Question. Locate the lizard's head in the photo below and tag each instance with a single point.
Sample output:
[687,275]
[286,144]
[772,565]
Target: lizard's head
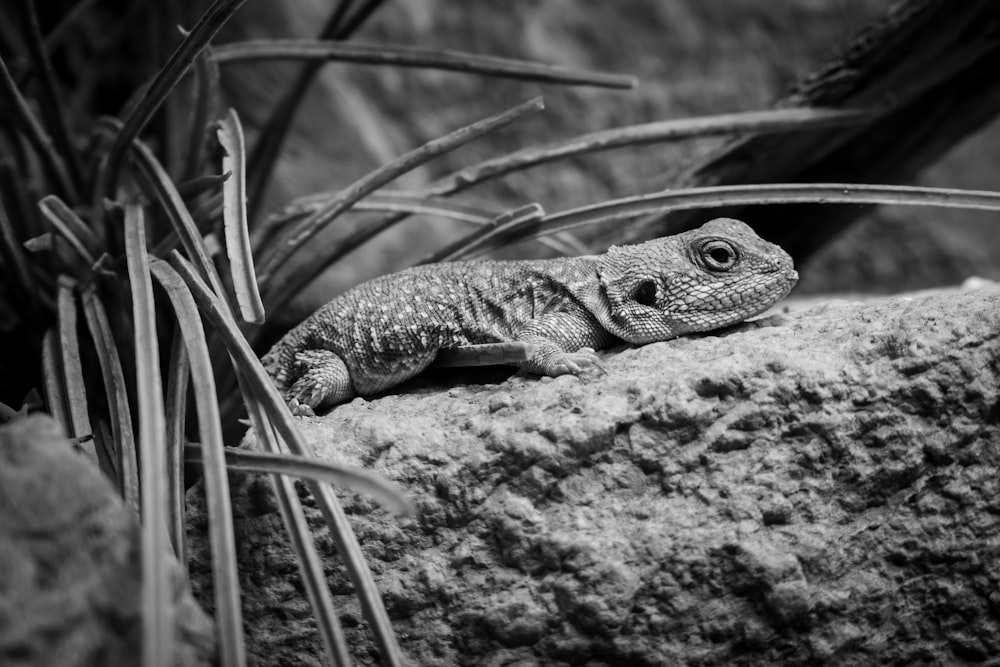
[714,276]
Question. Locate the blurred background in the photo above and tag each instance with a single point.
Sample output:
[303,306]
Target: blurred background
[692,58]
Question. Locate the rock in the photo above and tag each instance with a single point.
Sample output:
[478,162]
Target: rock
[69,561]
[820,491]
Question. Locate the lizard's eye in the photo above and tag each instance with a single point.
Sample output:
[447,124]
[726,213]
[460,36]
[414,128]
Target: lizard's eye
[645,293]
[718,255]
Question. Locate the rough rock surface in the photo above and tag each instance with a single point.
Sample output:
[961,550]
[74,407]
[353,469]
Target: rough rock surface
[69,561]
[819,491]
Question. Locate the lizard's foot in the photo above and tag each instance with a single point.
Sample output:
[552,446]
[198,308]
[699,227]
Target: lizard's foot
[323,380]
[299,410]
[583,361]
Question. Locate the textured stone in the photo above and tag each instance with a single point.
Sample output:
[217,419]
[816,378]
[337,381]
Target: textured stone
[69,562]
[821,490]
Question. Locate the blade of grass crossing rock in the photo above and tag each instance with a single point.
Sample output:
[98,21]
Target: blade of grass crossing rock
[260,386]
[310,564]
[355,479]
[158,639]
[220,514]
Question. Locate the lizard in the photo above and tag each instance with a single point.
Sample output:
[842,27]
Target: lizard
[389,329]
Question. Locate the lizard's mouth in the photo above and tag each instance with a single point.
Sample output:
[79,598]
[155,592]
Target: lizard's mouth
[754,301]
[778,287]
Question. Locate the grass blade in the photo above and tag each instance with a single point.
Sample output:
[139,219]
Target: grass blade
[407,203]
[514,219]
[355,479]
[385,200]
[176,66]
[124,456]
[200,185]
[52,103]
[42,243]
[13,261]
[760,122]
[157,600]
[22,207]
[721,196]
[378,178]
[70,18]
[81,238]
[310,565]
[72,369]
[160,187]
[55,391]
[220,513]
[206,96]
[779,193]
[258,385]
[178,379]
[234,215]
[35,133]
[103,440]
[412,56]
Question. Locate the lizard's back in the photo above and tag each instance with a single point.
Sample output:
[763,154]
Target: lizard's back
[384,328]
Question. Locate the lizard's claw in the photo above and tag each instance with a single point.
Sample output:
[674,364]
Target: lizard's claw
[299,409]
[581,362]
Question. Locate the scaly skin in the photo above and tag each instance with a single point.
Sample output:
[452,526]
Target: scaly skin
[387,330]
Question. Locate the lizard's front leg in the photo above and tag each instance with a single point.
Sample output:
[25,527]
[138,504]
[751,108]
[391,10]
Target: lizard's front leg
[564,342]
[323,380]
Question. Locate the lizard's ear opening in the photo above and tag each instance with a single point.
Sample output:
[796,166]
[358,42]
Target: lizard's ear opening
[645,293]
[631,309]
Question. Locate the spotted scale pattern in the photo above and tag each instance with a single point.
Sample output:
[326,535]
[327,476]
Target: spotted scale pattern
[387,330]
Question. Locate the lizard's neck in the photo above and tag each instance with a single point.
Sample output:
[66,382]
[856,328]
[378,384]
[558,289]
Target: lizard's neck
[583,280]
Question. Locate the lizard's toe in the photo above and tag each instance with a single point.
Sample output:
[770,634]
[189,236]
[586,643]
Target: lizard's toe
[299,409]
[582,362]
